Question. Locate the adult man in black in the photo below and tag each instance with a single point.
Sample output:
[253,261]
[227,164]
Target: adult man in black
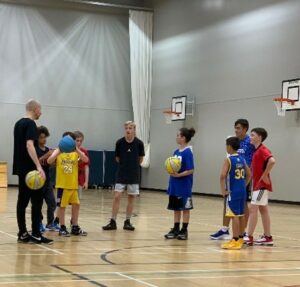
[25,160]
[129,154]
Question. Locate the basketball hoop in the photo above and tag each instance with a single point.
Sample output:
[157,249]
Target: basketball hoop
[283,104]
[169,116]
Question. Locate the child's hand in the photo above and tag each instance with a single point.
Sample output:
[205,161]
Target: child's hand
[175,174]
[85,185]
[224,193]
[265,179]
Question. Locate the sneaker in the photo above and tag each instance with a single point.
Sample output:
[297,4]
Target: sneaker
[232,245]
[76,230]
[64,232]
[219,235]
[53,227]
[246,237]
[264,240]
[128,225]
[24,238]
[172,234]
[182,235]
[41,239]
[42,228]
[112,225]
[250,241]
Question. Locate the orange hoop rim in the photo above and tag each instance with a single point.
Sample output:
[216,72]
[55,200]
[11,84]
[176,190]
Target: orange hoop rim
[169,112]
[282,100]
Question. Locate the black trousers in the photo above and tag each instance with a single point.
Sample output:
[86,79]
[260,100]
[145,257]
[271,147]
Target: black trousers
[36,198]
[49,197]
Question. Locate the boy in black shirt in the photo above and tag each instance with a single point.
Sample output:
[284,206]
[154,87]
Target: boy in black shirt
[43,152]
[129,154]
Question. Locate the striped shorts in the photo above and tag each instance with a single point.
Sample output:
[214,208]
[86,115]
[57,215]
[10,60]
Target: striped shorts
[260,197]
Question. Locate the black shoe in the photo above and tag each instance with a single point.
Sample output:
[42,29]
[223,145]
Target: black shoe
[112,225]
[41,239]
[182,235]
[128,225]
[63,231]
[172,234]
[76,230]
[23,238]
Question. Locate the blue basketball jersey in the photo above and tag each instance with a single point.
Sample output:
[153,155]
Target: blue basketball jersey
[236,177]
[182,186]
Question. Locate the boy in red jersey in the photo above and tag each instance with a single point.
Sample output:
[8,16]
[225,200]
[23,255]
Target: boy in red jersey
[262,163]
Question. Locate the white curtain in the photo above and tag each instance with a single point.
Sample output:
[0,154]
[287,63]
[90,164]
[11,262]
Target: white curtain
[140,35]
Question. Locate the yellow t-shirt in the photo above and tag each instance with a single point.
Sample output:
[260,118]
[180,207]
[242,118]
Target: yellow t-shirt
[67,170]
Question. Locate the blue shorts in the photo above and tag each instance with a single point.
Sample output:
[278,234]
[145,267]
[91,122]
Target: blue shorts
[235,207]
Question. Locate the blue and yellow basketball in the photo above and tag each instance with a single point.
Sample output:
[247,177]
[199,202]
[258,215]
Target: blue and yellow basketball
[172,164]
[34,180]
[67,144]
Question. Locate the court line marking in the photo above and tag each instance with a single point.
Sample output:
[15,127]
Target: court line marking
[136,280]
[38,245]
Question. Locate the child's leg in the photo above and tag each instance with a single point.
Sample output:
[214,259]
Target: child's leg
[129,208]
[62,211]
[185,219]
[265,217]
[51,203]
[226,219]
[75,213]
[242,226]
[116,205]
[246,217]
[252,219]
[235,227]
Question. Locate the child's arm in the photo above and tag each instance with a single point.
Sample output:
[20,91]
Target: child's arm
[87,173]
[53,156]
[82,156]
[43,159]
[264,177]
[184,173]
[223,175]
[248,174]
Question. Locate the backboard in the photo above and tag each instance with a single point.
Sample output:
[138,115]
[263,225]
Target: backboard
[291,91]
[179,107]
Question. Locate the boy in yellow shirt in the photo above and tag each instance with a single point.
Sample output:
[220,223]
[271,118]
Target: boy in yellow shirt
[67,186]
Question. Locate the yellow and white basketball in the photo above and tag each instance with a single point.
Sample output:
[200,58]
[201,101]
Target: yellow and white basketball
[172,164]
[34,180]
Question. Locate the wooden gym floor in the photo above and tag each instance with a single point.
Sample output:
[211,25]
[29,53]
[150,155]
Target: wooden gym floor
[143,258]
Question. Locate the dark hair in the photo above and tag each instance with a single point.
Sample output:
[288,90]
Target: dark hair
[79,134]
[261,132]
[243,122]
[234,142]
[71,134]
[43,130]
[187,133]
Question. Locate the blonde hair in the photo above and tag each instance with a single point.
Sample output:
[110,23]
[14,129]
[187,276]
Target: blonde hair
[129,123]
[31,105]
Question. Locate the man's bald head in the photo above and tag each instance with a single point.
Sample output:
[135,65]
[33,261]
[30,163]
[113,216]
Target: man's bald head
[34,108]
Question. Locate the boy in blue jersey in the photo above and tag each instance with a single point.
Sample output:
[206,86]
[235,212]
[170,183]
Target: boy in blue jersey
[246,150]
[180,186]
[234,177]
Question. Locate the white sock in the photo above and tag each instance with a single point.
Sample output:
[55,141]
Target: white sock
[225,228]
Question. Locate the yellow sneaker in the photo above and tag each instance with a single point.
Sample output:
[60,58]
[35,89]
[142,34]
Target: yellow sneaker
[229,244]
[240,243]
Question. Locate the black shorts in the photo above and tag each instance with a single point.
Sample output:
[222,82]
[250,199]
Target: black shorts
[248,192]
[180,203]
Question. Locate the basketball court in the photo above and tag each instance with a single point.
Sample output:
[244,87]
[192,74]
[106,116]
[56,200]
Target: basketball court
[159,67]
[144,257]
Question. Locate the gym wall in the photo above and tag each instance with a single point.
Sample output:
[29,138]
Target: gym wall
[231,56]
[76,63]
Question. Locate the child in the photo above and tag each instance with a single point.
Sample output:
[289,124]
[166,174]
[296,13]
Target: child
[43,153]
[262,163]
[83,167]
[67,186]
[233,188]
[129,156]
[180,186]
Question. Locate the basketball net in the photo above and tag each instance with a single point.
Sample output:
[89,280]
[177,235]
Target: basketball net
[169,116]
[279,105]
